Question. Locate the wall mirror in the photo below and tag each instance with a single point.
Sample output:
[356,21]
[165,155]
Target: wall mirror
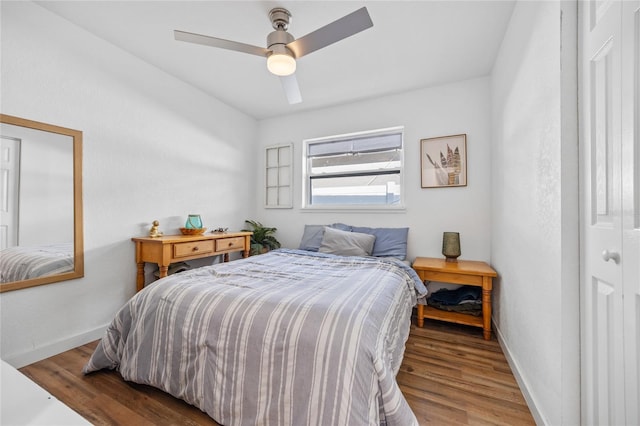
[41,229]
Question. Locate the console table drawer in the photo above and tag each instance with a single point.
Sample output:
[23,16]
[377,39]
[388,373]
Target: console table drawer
[192,248]
[229,244]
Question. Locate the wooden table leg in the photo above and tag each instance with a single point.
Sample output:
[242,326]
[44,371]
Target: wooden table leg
[486,307]
[140,276]
[247,246]
[420,315]
[163,270]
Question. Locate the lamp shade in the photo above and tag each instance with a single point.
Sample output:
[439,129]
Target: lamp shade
[451,246]
[281,64]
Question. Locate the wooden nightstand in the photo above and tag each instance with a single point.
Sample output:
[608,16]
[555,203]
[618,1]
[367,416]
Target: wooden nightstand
[466,272]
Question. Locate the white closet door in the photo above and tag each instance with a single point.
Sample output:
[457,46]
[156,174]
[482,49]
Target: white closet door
[9,191]
[610,215]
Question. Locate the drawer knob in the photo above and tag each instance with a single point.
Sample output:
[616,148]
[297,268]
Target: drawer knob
[195,249]
[230,243]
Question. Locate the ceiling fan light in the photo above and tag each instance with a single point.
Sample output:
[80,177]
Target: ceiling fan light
[281,64]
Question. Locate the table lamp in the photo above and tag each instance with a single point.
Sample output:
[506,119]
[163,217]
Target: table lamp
[451,246]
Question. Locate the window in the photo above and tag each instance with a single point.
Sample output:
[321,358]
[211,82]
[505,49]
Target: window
[355,170]
[278,176]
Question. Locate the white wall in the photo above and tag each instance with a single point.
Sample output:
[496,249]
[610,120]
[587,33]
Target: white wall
[534,206]
[154,148]
[462,107]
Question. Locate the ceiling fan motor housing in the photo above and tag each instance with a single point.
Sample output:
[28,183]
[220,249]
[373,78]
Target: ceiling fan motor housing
[277,40]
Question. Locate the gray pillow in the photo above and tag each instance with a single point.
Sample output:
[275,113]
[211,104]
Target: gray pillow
[344,243]
[312,235]
[390,242]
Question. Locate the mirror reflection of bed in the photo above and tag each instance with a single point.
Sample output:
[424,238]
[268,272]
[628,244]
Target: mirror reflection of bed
[41,217]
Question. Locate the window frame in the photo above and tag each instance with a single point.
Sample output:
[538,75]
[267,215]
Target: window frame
[307,175]
[280,185]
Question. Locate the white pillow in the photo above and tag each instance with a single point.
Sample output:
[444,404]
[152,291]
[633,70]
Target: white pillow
[345,243]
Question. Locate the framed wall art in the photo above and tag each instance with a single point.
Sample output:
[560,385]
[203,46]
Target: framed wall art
[443,161]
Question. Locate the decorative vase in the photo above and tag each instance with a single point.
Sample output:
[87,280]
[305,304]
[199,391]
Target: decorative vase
[193,222]
[451,246]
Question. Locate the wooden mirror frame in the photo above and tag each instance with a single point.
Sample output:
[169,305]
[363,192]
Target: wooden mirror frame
[78,237]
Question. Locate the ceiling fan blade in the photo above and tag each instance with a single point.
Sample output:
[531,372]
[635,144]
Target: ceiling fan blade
[219,42]
[291,89]
[344,27]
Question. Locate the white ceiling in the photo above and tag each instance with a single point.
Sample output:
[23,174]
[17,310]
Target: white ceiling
[412,44]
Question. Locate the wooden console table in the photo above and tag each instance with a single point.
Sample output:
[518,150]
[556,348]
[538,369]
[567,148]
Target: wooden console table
[466,272]
[170,249]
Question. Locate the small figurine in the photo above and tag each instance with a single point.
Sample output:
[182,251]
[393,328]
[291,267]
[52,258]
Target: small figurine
[154,232]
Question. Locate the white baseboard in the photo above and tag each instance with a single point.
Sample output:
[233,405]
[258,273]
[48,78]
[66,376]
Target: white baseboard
[29,357]
[522,383]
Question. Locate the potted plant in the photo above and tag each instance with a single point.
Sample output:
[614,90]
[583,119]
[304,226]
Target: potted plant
[262,239]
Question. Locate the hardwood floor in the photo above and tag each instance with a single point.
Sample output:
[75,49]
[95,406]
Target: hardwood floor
[449,375]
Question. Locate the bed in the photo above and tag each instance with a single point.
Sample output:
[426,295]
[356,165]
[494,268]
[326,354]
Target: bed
[23,263]
[291,337]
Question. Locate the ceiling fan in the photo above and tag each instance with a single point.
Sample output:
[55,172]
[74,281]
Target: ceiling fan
[283,49]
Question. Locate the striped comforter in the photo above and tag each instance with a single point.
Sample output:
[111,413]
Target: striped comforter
[285,338]
[23,263]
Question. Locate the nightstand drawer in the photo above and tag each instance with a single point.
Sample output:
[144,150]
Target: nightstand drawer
[229,244]
[192,248]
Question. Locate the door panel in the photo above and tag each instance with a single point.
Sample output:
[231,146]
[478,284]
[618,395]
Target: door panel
[603,355]
[603,381]
[602,128]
